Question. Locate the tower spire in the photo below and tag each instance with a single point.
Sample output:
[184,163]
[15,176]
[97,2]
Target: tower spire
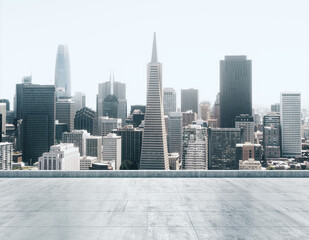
[154,57]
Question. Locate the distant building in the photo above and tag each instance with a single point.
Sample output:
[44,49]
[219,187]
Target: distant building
[216,110]
[174,160]
[79,100]
[94,147]
[86,162]
[249,164]
[60,129]
[169,100]
[246,151]
[290,121]
[222,148]
[131,146]
[6,155]
[212,123]
[271,136]
[189,100]
[106,125]
[78,137]
[246,122]
[195,149]
[86,119]
[275,107]
[139,107]
[61,157]
[188,117]
[235,89]
[112,149]
[174,136]
[205,111]
[138,116]
[3,119]
[7,102]
[65,112]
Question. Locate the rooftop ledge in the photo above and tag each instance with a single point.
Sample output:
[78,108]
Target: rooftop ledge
[157,174]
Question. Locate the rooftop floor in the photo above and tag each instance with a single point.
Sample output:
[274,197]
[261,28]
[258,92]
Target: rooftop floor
[154,208]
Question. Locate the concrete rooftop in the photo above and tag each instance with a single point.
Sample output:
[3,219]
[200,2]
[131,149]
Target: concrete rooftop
[154,208]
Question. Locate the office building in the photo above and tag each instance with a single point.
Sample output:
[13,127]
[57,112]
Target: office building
[7,102]
[205,111]
[3,113]
[290,121]
[216,110]
[169,100]
[78,138]
[63,72]
[189,100]
[137,117]
[246,151]
[106,125]
[94,147]
[188,118]
[174,136]
[271,136]
[222,148]
[37,109]
[86,119]
[174,160]
[79,100]
[6,155]
[131,146]
[246,122]
[194,151]
[112,149]
[154,147]
[60,129]
[275,107]
[65,112]
[235,89]
[63,157]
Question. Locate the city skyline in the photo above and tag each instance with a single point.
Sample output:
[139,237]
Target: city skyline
[274,69]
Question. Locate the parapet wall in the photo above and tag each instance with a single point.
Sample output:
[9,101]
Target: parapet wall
[156,174]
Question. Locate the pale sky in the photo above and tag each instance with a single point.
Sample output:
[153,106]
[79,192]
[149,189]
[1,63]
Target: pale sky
[192,36]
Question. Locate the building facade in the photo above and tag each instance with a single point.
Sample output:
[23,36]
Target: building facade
[6,155]
[112,149]
[65,112]
[78,138]
[246,122]
[174,136]
[271,136]
[169,100]
[94,147]
[86,119]
[106,125]
[189,100]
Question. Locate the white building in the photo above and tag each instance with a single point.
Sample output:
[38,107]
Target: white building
[63,156]
[169,100]
[78,137]
[6,155]
[106,125]
[94,147]
[79,100]
[86,162]
[290,121]
[249,164]
[112,149]
[3,113]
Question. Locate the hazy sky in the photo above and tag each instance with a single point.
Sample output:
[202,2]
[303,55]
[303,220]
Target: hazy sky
[192,36]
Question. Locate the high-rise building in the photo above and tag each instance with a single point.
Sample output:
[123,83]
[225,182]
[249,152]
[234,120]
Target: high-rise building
[205,111]
[63,72]
[246,151]
[188,117]
[112,149]
[78,138]
[216,110]
[94,147]
[154,148]
[65,112]
[174,136]
[235,89]
[246,122]
[189,100]
[7,102]
[222,148]
[3,113]
[271,136]
[106,125]
[6,155]
[131,146]
[290,121]
[79,100]
[110,106]
[63,156]
[37,109]
[169,100]
[194,151]
[60,129]
[86,119]
[275,107]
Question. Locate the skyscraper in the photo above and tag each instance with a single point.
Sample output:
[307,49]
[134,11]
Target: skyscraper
[65,112]
[78,137]
[106,125]
[174,137]
[79,100]
[169,100]
[290,119]
[246,122]
[189,100]
[94,147]
[271,136]
[63,72]
[3,113]
[235,89]
[205,111]
[86,119]
[154,147]
[36,107]
[112,149]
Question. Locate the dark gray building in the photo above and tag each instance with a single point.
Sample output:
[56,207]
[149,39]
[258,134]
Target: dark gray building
[7,102]
[86,119]
[222,148]
[131,146]
[65,112]
[174,136]
[36,107]
[110,106]
[189,100]
[271,136]
[140,107]
[235,89]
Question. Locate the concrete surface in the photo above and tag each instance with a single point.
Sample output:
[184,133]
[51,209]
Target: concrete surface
[157,174]
[154,208]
